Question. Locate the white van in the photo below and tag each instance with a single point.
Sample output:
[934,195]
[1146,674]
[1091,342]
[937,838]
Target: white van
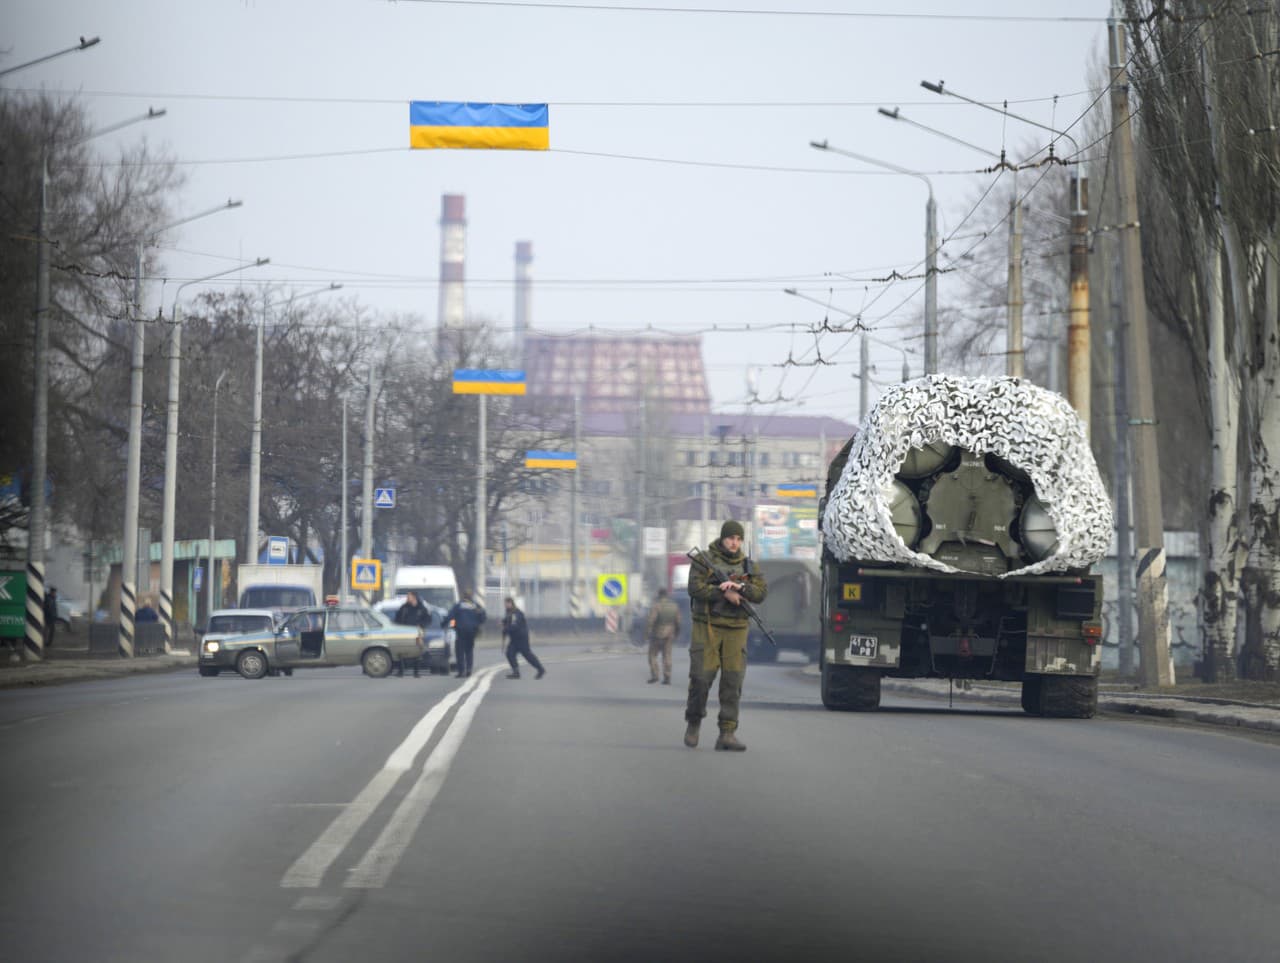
[434,584]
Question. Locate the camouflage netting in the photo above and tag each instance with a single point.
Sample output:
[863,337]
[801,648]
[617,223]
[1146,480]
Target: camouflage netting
[1032,428]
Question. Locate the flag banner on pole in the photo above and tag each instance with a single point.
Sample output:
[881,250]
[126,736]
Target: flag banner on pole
[492,126]
[550,459]
[797,491]
[488,381]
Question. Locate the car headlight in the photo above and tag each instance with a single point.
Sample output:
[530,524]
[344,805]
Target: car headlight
[211,646]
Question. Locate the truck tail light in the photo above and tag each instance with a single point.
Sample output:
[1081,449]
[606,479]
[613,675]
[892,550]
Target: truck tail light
[839,622]
[1092,633]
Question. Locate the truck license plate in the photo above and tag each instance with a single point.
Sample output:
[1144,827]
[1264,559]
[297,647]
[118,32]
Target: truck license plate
[863,646]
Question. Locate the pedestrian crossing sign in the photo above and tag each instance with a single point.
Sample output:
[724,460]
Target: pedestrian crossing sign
[366,574]
[384,498]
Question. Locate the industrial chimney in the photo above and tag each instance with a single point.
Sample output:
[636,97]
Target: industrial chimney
[524,294]
[453,258]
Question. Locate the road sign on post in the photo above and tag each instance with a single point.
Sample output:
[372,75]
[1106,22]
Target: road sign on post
[277,550]
[366,574]
[611,589]
[13,604]
[384,498]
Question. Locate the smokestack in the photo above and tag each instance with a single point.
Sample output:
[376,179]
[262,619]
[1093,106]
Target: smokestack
[453,258]
[524,293]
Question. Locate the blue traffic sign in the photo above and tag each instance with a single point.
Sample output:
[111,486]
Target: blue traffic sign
[384,498]
[611,589]
[277,550]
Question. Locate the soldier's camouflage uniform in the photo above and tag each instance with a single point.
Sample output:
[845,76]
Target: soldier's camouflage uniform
[719,641]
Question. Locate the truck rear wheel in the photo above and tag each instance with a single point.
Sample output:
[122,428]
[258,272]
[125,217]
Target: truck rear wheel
[850,688]
[1069,696]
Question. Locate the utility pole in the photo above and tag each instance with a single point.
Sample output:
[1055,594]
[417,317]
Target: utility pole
[1016,354]
[366,512]
[344,563]
[864,374]
[1153,592]
[640,486]
[1079,383]
[575,597]
[481,498]
[33,648]
[1124,556]
[213,496]
[704,487]
[931,285]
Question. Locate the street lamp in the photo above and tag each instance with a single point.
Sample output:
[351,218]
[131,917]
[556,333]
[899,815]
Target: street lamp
[1014,353]
[213,493]
[82,45]
[38,522]
[171,440]
[255,447]
[930,252]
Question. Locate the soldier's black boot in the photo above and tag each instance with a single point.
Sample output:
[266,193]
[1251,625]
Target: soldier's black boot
[728,742]
[691,735]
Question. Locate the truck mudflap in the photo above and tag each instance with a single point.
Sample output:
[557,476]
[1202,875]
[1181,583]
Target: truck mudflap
[1047,655]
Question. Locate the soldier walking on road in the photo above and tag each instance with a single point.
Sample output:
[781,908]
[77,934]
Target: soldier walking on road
[515,629]
[719,640]
[466,617]
[661,629]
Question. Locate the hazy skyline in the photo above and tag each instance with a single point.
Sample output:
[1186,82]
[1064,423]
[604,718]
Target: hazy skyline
[680,191]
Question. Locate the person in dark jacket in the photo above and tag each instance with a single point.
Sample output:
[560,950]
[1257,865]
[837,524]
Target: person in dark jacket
[466,617]
[515,629]
[412,612]
[50,616]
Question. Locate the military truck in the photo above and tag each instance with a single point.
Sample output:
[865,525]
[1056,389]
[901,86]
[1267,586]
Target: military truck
[790,609]
[959,525]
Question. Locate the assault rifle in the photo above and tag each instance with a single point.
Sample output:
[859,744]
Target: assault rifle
[700,559]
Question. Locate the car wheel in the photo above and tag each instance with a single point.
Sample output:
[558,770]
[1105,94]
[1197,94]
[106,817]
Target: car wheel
[288,672]
[208,671]
[377,663]
[252,664]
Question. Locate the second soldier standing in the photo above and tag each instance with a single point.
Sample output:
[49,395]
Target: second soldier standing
[661,628]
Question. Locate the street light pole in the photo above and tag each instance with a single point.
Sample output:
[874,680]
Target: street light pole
[255,446]
[171,442]
[37,524]
[213,495]
[930,251]
[40,429]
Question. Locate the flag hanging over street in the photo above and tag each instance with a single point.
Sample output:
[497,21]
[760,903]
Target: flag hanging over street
[488,381]
[495,126]
[550,459]
[797,491]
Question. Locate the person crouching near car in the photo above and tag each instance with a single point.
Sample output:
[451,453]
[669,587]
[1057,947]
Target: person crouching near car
[412,612]
[466,617]
[515,629]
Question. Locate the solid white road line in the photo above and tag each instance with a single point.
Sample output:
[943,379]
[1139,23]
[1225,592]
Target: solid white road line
[373,871]
[309,868]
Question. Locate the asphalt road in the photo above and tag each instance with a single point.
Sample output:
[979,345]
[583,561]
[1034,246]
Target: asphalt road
[331,817]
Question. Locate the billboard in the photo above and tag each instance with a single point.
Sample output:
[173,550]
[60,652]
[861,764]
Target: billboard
[786,531]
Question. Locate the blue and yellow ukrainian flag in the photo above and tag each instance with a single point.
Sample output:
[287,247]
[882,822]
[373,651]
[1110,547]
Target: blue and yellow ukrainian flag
[501,126]
[550,459]
[488,381]
[797,491]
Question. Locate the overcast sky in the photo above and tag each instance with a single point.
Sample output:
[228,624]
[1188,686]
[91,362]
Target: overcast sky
[680,191]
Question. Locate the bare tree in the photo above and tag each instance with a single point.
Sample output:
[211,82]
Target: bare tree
[1207,83]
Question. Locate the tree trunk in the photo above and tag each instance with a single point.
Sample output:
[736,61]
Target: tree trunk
[1260,655]
[1219,592]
